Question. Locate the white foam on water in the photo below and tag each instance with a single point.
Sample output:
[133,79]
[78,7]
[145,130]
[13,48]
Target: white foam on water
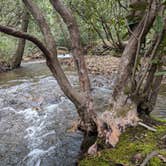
[34,157]
[9,109]
[62,56]
[40,124]
[19,80]
[49,133]
[44,124]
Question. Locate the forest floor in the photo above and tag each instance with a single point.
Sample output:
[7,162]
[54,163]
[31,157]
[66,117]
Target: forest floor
[136,146]
[98,65]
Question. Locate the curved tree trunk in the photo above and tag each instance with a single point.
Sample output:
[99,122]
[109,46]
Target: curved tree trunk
[17,58]
[82,101]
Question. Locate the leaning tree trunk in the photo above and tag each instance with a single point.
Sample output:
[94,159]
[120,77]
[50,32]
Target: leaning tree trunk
[17,58]
[82,100]
[123,111]
[126,83]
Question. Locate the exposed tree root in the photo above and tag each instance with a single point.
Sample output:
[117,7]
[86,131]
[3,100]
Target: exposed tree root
[110,126]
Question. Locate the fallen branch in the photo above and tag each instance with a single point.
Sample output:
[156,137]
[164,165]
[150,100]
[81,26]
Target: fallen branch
[146,126]
[162,158]
[164,137]
[149,156]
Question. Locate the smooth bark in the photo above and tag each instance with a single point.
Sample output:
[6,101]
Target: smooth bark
[82,101]
[129,54]
[77,50]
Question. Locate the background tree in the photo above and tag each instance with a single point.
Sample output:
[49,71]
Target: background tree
[106,19]
[17,58]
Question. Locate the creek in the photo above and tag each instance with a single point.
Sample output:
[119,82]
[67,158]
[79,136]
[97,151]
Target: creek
[36,118]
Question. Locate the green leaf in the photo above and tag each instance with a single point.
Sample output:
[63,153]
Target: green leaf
[139,5]
[155,61]
[163,2]
[159,24]
[160,73]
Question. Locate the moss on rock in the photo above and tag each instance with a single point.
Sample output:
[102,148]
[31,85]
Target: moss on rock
[134,141]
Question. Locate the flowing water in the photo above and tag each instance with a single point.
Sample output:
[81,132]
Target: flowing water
[36,118]
[160,108]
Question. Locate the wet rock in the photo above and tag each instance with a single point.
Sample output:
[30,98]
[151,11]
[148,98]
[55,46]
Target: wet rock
[12,102]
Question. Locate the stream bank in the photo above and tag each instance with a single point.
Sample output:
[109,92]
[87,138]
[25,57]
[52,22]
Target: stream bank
[136,143]
[36,117]
[134,146]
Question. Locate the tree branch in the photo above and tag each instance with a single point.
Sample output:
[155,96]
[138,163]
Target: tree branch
[146,126]
[149,156]
[42,23]
[77,49]
[23,35]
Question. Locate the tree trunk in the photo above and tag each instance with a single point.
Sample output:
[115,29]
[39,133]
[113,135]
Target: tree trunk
[82,101]
[129,54]
[77,49]
[123,111]
[16,60]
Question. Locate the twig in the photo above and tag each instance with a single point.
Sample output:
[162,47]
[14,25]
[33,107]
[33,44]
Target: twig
[121,5]
[146,126]
[161,157]
[129,29]
[149,156]
[164,137]
[139,44]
